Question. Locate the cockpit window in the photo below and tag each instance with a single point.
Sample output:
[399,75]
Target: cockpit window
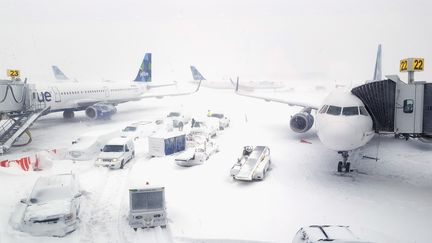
[350,111]
[323,109]
[334,110]
[363,111]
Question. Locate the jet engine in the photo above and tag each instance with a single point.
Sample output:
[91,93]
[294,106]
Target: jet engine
[301,122]
[100,111]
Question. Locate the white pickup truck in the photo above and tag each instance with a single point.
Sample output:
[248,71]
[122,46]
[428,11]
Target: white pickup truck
[253,165]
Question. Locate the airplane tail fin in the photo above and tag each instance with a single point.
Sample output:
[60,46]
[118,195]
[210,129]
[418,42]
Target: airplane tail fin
[378,70]
[144,72]
[58,74]
[196,74]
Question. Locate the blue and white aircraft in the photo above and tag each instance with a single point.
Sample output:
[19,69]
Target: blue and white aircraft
[98,99]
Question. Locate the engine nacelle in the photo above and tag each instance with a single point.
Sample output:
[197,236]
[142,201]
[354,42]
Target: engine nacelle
[100,111]
[301,122]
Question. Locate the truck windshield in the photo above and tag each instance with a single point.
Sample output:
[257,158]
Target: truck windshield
[173,114]
[113,148]
[129,129]
[147,200]
[198,124]
[220,116]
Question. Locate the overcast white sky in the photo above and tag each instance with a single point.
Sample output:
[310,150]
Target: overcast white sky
[257,40]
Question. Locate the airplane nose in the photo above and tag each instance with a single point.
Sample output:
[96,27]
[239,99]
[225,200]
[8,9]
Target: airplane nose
[340,136]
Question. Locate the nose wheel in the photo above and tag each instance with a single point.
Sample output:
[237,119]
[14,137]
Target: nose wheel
[344,165]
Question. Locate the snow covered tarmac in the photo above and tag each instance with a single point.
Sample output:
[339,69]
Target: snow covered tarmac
[385,201]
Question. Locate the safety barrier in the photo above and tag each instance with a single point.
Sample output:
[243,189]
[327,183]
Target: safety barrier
[29,162]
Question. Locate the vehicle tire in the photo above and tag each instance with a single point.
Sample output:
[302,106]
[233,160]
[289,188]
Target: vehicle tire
[135,229]
[347,167]
[122,164]
[339,168]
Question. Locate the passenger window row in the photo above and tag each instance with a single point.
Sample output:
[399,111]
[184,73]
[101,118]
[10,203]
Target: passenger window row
[82,92]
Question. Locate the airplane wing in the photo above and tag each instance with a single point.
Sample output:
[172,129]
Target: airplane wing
[160,84]
[161,95]
[88,102]
[85,102]
[279,100]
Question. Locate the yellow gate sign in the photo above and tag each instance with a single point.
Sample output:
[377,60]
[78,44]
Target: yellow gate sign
[403,67]
[411,65]
[13,73]
[418,64]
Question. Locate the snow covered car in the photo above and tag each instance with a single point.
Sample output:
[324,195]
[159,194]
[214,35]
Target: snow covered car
[253,165]
[116,153]
[195,140]
[197,155]
[139,129]
[224,121]
[52,207]
[179,118]
[204,127]
[325,233]
[87,146]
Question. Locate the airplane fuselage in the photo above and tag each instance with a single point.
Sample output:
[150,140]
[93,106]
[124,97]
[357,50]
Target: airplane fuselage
[78,96]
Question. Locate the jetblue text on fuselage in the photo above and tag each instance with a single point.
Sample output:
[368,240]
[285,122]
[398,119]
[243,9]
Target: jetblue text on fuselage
[44,96]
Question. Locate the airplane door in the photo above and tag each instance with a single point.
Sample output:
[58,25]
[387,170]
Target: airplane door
[107,92]
[56,92]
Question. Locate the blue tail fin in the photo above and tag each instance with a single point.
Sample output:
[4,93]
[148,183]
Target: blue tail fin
[144,72]
[196,74]
[378,71]
[58,74]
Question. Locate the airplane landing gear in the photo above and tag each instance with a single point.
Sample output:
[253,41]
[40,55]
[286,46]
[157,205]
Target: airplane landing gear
[344,165]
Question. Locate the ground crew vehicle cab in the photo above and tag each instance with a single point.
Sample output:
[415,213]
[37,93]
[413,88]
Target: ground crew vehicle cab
[116,153]
[147,207]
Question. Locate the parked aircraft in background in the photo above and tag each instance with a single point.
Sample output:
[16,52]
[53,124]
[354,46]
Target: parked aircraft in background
[197,76]
[59,75]
[99,99]
[342,122]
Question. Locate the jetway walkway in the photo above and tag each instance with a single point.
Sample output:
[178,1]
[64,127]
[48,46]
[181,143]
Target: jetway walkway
[19,109]
[397,107]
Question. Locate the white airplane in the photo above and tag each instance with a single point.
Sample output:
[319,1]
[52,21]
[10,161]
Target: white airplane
[342,122]
[197,77]
[98,99]
[59,75]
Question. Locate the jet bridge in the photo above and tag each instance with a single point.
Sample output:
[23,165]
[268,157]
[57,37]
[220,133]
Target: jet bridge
[19,109]
[397,107]
[379,99]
